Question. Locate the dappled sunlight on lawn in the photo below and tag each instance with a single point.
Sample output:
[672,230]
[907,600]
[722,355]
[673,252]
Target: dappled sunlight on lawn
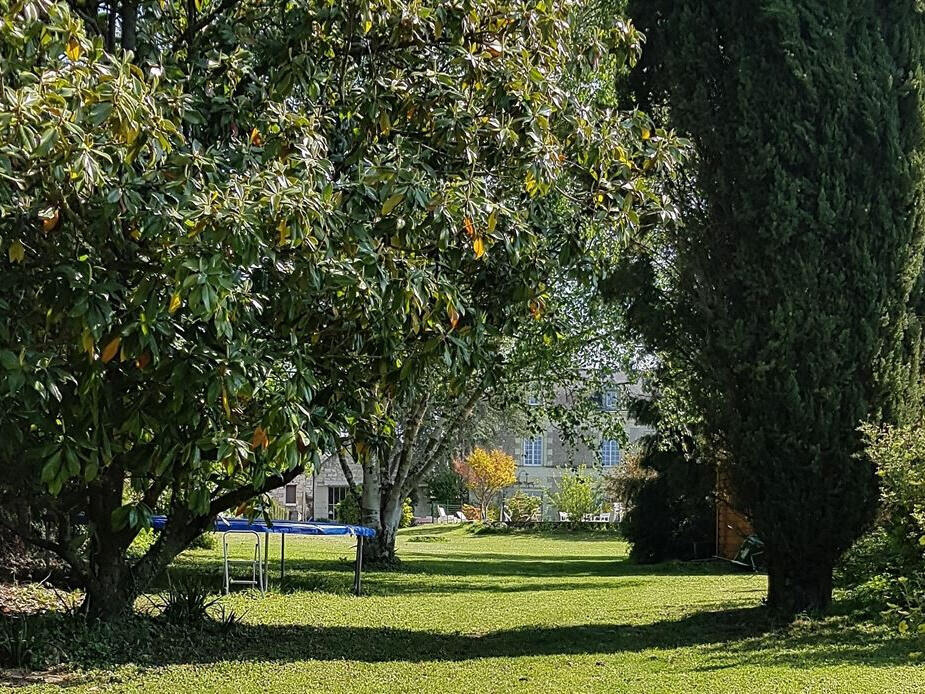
[503,612]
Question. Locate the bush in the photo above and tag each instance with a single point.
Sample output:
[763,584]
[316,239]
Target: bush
[670,512]
[885,567]
[523,507]
[205,541]
[899,454]
[407,514]
[186,601]
[19,641]
[348,511]
[471,512]
[578,494]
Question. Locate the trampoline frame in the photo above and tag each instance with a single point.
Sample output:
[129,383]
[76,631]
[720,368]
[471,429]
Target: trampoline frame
[283,528]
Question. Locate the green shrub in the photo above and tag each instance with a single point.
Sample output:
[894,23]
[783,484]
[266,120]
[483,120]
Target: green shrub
[186,601]
[19,641]
[407,514]
[885,567]
[578,493]
[670,513]
[899,454]
[205,541]
[523,507]
[348,511]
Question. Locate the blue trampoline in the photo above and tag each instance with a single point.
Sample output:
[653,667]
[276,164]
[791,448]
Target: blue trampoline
[260,568]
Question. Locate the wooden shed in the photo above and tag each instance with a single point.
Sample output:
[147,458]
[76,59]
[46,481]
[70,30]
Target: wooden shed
[732,525]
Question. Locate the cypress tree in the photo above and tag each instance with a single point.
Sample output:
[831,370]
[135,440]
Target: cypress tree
[797,255]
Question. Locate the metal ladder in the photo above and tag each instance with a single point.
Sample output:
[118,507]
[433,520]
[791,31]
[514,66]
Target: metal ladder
[256,564]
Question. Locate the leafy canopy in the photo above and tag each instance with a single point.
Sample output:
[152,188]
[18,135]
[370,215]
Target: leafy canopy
[225,246]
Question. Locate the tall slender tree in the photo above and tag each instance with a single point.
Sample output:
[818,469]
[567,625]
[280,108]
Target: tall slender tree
[783,291]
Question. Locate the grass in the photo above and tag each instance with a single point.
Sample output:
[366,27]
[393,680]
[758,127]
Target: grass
[521,613]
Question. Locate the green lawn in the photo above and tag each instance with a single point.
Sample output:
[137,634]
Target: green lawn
[537,613]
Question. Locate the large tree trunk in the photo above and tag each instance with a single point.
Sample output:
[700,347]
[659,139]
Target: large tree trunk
[108,593]
[381,549]
[114,583]
[383,514]
[799,584]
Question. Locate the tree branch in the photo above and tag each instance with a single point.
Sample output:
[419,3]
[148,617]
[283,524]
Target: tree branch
[405,460]
[348,474]
[62,550]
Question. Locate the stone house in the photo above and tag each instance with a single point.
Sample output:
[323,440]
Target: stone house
[314,496]
[541,459]
[544,456]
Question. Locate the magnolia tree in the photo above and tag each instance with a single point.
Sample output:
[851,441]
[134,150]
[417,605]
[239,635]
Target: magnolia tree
[440,418]
[509,335]
[235,231]
[486,473]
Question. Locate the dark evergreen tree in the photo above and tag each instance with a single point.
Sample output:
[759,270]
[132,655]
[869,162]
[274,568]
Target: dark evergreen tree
[784,289]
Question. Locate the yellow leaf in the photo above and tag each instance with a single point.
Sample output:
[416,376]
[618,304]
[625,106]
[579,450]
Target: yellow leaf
[283,230]
[392,203]
[469,227]
[478,246]
[256,138]
[174,303]
[87,343]
[385,124]
[128,132]
[197,227]
[259,439]
[492,221]
[111,349]
[226,403]
[50,222]
[17,252]
[73,49]
[453,315]
[646,133]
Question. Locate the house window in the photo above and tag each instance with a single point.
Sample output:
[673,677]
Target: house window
[335,496]
[290,494]
[610,452]
[609,400]
[533,451]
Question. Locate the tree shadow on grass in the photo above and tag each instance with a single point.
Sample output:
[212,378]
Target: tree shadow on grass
[727,637]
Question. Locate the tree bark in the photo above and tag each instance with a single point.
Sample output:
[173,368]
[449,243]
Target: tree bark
[113,583]
[799,584]
[129,17]
[381,549]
